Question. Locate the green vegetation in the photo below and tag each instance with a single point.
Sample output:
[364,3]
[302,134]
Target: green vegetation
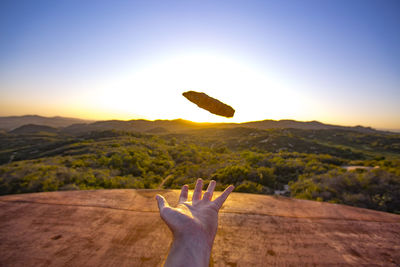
[376,189]
[255,161]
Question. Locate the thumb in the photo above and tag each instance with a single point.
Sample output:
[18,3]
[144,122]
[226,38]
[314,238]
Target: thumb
[162,202]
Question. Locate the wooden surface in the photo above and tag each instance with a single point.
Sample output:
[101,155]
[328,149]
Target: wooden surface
[123,228]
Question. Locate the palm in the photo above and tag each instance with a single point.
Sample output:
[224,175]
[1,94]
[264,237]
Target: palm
[198,217]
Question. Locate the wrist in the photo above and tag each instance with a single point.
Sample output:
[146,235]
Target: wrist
[191,250]
[194,241]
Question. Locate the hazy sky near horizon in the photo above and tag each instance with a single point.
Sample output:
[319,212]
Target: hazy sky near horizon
[336,61]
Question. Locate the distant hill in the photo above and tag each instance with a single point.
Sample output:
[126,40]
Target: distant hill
[183,125]
[305,125]
[33,129]
[78,126]
[12,122]
[138,126]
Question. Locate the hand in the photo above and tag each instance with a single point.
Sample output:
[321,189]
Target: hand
[193,224]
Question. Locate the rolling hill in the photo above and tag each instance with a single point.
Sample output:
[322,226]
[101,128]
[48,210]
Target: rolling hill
[180,125]
[74,126]
[143,154]
[11,122]
[33,129]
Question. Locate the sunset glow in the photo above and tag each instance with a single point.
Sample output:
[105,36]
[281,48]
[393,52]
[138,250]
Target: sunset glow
[268,61]
[155,92]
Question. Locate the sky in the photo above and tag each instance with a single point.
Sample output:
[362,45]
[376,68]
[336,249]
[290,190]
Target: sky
[335,61]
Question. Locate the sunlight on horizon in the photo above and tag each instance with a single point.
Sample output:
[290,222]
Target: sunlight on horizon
[155,91]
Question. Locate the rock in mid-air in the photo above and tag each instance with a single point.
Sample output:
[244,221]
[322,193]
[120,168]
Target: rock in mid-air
[208,103]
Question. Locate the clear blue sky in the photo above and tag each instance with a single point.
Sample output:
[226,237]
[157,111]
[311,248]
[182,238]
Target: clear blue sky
[333,61]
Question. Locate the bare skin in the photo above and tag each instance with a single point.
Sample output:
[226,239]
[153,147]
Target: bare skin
[193,224]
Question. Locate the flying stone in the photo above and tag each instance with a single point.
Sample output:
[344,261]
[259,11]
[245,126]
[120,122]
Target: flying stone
[210,104]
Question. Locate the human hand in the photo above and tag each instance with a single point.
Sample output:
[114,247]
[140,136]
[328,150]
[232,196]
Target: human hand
[193,224]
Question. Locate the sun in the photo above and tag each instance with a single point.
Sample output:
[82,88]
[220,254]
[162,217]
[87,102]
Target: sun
[155,91]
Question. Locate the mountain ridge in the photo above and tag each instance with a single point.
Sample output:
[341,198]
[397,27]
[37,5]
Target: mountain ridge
[74,125]
[9,123]
[33,128]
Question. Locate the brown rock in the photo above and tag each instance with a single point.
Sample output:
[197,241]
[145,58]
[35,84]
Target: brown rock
[123,228]
[208,103]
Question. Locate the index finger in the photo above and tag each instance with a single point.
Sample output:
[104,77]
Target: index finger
[219,201]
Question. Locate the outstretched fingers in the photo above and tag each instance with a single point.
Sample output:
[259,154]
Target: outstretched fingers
[197,190]
[219,201]
[184,194]
[210,190]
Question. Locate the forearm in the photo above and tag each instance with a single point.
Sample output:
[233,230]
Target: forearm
[189,251]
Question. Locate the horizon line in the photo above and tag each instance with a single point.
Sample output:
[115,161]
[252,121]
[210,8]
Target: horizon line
[198,122]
